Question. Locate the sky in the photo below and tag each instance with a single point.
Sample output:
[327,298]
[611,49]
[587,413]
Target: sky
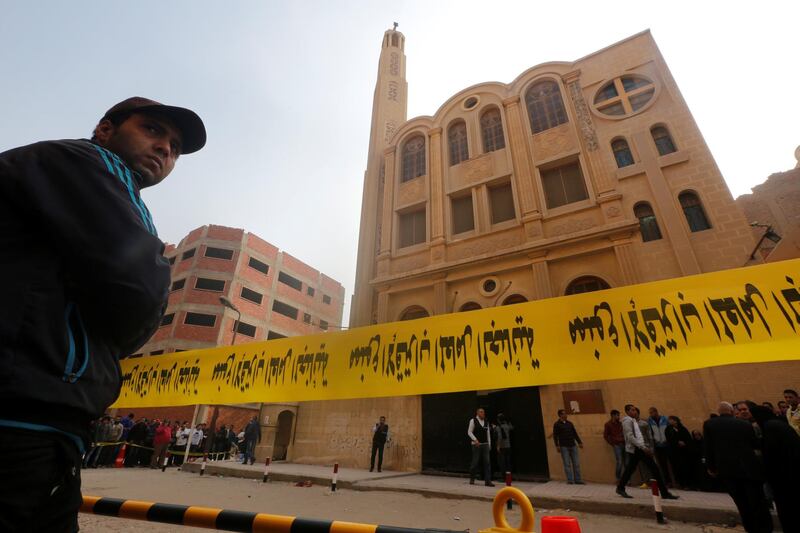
[285,90]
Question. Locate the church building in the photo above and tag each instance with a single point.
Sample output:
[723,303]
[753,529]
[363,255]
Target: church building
[576,176]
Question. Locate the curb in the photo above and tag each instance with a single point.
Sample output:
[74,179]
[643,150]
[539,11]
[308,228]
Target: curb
[633,510]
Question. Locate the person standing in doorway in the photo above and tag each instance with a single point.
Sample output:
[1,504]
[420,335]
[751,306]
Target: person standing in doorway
[252,436]
[567,443]
[502,435]
[380,434]
[481,438]
[612,433]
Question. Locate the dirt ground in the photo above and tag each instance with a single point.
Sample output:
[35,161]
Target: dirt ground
[385,508]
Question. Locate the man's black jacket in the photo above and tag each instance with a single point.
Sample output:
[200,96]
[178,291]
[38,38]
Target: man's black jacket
[730,449]
[84,281]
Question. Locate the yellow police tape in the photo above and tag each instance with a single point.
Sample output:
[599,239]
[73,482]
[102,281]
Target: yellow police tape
[172,451]
[745,315]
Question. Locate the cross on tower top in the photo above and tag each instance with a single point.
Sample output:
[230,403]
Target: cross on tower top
[395,26]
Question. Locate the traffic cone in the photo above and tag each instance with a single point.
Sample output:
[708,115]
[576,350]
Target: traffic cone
[560,524]
[120,460]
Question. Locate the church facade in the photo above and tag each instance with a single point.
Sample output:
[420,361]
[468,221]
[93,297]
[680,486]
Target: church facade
[574,177]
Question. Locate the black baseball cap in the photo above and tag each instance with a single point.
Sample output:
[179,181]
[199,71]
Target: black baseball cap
[193,132]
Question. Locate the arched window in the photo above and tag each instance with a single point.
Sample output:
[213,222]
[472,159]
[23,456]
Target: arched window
[693,211]
[492,130]
[469,306]
[663,140]
[414,312]
[413,158]
[545,106]
[515,299]
[457,141]
[622,153]
[586,284]
[648,225]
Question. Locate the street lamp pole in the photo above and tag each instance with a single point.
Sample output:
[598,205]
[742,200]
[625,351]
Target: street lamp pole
[227,303]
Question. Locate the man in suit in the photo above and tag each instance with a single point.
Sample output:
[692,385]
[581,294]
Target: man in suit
[380,434]
[730,446]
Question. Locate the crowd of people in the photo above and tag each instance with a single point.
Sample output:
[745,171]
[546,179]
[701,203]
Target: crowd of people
[748,450]
[150,442]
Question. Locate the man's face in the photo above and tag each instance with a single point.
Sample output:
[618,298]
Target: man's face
[791,399]
[782,406]
[150,145]
[481,413]
[383,420]
[615,417]
[743,411]
[634,413]
[653,412]
[562,415]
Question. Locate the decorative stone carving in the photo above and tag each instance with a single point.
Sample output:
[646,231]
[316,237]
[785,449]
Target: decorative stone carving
[390,128]
[394,64]
[411,192]
[410,262]
[392,95]
[613,212]
[572,226]
[584,118]
[553,142]
[478,169]
[485,245]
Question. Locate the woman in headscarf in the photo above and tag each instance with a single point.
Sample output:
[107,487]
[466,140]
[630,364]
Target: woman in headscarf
[680,452]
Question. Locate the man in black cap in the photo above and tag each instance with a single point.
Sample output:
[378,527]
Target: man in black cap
[85,283]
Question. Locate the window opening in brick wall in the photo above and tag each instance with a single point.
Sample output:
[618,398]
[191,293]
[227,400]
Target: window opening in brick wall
[251,295]
[274,335]
[187,254]
[326,299]
[166,320]
[284,309]
[246,329]
[200,319]
[207,284]
[291,281]
[258,265]
[219,253]
[178,284]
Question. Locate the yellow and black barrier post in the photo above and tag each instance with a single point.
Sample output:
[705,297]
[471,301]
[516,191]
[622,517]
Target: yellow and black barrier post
[227,520]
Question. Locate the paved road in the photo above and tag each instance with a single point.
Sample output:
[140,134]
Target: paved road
[388,508]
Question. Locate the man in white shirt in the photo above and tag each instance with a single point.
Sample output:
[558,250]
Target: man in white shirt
[181,438]
[636,450]
[481,438]
[196,438]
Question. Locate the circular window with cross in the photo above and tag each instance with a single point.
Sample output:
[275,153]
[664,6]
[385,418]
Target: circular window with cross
[624,96]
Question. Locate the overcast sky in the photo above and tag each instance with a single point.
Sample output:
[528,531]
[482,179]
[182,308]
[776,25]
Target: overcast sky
[285,89]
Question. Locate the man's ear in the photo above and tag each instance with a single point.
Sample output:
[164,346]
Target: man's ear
[103,131]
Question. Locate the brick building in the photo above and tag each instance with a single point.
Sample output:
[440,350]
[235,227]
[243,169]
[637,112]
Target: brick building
[575,176]
[277,294]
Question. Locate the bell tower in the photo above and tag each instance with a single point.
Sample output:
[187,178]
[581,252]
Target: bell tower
[389,107]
